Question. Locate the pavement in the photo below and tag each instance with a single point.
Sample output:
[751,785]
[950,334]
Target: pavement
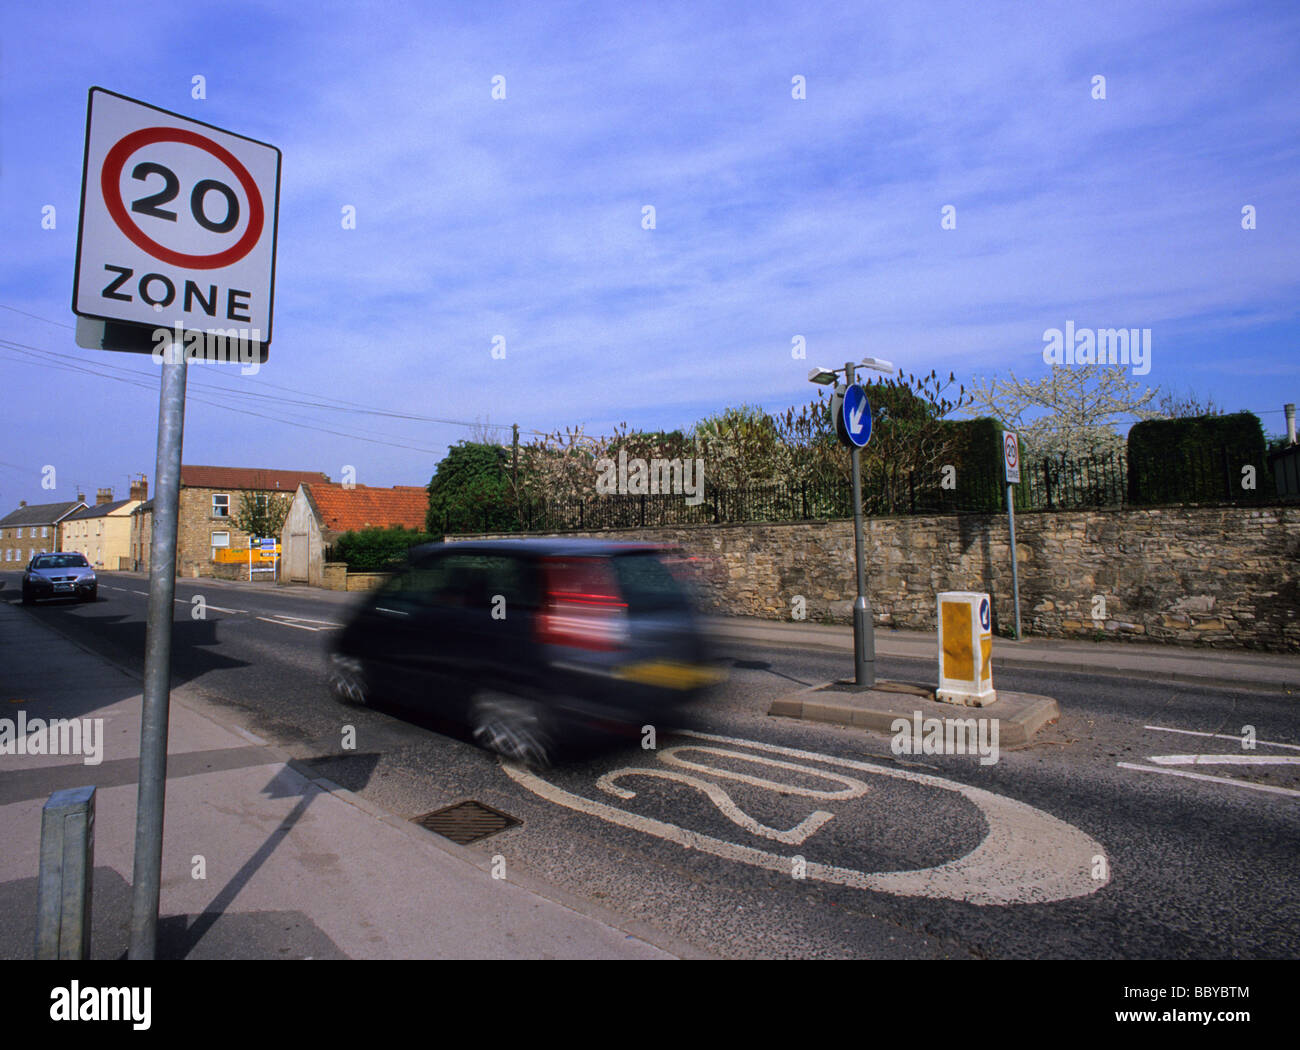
[261,859]
[1217,668]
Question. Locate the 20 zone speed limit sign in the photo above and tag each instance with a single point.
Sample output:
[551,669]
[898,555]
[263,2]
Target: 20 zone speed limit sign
[178,222]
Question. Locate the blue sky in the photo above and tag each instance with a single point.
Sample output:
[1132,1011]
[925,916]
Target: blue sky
[775,217]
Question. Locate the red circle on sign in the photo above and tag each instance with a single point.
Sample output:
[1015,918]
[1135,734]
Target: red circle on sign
[1012,451]
[112,172]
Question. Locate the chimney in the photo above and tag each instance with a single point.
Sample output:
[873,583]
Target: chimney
[140,489]
[22,503]
[1290,423]
[81,497]
[103,496]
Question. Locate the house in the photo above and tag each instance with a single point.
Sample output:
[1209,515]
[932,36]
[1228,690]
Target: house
[210,501]
[320,513]
[31,530]
[102,533]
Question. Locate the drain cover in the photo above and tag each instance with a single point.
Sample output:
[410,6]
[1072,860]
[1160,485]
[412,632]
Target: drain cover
[466,822]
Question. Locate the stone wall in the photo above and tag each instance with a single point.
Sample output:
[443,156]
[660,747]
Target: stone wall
[1216,576]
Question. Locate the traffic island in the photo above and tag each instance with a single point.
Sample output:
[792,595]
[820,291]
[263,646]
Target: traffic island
[1020,715]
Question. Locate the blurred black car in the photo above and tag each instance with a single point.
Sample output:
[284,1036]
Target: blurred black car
[66,575]
[531,643]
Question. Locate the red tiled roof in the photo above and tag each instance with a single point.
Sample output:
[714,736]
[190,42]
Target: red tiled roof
[360,507]
[255,478]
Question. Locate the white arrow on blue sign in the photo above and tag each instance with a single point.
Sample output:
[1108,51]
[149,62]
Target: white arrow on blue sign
[854,423]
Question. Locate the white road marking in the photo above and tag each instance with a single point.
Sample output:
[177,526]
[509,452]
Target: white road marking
[282,623]
[145,593]
[1205,776]
[304,619]
[1028,856]
[796,835]
[1225,760]
[213,608]
[1221,736]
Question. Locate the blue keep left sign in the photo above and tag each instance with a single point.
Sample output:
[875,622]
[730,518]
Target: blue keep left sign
[854,423]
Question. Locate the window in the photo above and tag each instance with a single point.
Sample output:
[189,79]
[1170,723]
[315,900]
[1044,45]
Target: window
[221,539]
[45,532]
[20,534]
[221,508]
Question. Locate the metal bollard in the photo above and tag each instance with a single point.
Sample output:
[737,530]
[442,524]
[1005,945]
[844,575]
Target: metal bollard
[67,864]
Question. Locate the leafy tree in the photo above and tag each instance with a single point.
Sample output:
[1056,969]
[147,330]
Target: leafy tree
[471,489]
[740,446]
[261,513]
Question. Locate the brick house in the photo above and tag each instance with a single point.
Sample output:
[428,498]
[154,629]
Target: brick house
[210,499]
[322,512]
[31,530]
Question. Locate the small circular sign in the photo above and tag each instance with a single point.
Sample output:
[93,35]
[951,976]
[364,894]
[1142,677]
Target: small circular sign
[109,182]
[1013,450]
[984,614]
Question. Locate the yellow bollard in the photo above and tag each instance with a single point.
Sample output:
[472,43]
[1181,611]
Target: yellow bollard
[965,649]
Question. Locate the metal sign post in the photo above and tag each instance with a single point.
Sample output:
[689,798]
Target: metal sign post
[146,877]
[852,414]
[1011,461]
[175,247]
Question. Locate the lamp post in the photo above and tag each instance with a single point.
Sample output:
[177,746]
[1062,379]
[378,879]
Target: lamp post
[864,637]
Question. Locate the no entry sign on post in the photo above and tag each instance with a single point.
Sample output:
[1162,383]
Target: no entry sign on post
[178,223]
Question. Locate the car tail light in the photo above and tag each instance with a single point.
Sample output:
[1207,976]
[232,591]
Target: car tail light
[582,607]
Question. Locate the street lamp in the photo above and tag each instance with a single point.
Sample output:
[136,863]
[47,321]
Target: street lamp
[864,638]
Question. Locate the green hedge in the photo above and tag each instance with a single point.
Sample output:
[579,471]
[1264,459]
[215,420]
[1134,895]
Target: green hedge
[977,455]
[378,549]
[1198,459]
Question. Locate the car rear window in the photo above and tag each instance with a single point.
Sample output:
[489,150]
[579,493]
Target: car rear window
[647,584]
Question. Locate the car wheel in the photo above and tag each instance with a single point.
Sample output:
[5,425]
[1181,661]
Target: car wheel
[349,681]
[512,727]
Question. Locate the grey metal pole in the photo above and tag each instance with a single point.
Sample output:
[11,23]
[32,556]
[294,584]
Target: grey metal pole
[147,876]
[1015,573]
[864,639]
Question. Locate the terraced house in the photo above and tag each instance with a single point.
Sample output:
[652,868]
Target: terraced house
[103,532]
[31,530]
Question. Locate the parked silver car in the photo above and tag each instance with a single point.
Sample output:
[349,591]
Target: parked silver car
[66,575]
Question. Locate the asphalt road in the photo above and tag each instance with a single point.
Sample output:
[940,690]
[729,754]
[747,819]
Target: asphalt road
[1058,850]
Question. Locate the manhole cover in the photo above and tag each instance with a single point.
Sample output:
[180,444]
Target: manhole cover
[466,822]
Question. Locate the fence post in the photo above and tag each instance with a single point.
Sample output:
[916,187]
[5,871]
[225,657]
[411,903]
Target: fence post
[911,488]
[1047,482]
[580,525]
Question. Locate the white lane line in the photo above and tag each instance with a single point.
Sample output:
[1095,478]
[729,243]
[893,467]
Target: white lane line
[304,619]
[1221,736]
[214,608]
[282,623]
[1213,780]
[145,593]
[1225,760]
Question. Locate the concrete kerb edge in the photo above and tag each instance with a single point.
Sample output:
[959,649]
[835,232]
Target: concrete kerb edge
[1012,735]
[198,705]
